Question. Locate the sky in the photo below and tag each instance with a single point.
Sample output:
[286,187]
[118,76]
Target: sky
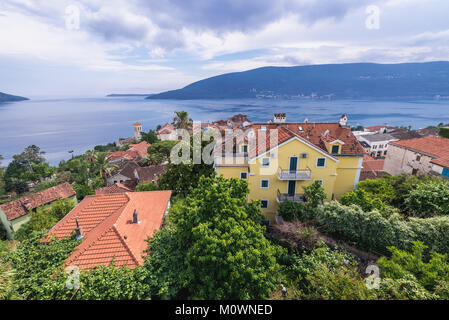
[59,48]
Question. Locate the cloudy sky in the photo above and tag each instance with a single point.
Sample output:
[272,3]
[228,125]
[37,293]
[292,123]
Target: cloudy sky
[55,48]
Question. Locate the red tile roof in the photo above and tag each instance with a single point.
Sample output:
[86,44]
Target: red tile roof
[377,128]
[148,174]
[115,188]
[125,155]
[436,147]
[20,207]
[109,234]
[141,148]
[312,133]
[166,127]
[373,165]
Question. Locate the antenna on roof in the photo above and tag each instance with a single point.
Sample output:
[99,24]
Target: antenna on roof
[78,230]
[135,217]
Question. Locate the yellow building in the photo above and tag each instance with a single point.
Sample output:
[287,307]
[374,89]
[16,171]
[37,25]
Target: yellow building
[300,154]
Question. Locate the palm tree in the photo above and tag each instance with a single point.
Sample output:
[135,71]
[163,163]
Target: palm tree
[106,168]
[91,156]
[182,120]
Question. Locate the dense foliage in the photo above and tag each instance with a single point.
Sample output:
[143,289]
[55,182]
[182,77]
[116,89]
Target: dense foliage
[372,231]
[219,247]
[325,274]
[314,195]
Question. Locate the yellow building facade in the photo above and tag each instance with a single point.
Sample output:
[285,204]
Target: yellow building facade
[281,172]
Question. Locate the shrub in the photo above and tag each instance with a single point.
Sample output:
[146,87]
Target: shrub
[290,210]
[150,186]
[402,264]
[429,199]
[372,231]
[326,274]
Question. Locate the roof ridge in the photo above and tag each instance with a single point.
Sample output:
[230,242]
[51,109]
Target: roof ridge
[125,244]
[92,240]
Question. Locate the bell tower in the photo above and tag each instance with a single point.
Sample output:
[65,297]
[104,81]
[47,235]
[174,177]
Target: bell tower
[137,131]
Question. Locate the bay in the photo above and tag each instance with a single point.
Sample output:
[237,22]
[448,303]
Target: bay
[60,125]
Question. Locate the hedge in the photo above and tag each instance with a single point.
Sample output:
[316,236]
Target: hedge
[373,232]
[444,132]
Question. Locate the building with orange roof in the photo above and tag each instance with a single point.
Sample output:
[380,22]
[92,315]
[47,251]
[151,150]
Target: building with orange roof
[279,158]
[420,156]
[15,213]
[113,227]
[166,132]
[141,148]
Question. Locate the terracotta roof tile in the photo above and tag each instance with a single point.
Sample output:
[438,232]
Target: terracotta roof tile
[20,207]
[141,148]
[437,147]
[147,174]
[115,188]
[108,232]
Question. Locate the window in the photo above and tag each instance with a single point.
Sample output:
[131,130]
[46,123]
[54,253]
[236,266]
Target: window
[385,152]
[335,149]
[418,158]
[245,149]
[244,175]
[264,183]
[264,204]
[321,162]
[265,162]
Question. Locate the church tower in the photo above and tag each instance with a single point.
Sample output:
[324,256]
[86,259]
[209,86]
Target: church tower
[137,131]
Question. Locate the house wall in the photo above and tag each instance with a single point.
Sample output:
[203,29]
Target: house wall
[14,225]
[401,160]
[338,178]
[168,136]
[118,178]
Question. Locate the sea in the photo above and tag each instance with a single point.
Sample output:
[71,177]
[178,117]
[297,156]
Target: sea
[58,126]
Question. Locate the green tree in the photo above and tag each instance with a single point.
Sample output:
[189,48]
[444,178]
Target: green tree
[34,263]
[225,252]
[150,186]
[159,152]
[150,136]
[429,274]
[182,120]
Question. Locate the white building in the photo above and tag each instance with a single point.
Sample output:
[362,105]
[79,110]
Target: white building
[378,143]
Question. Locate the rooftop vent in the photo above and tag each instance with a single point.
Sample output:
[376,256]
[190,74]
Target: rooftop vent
[306,120]
[136,217]
[300,128]
[78,230]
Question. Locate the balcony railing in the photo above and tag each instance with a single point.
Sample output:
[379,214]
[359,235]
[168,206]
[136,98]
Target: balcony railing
[281,197]
[295,175]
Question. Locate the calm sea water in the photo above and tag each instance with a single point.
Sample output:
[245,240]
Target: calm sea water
[57,126]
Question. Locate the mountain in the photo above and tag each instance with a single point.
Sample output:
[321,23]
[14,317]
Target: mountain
[341,81]
[7,97]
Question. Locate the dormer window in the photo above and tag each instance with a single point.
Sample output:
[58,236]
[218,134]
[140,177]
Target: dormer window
[335,149]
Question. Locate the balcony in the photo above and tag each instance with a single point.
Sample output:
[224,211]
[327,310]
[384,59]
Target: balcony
[281,197]
[295,175]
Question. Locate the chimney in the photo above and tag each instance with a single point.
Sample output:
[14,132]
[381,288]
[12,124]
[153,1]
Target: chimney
[343,121]
[135,217]
[306,120]
[78,230]
[279,118]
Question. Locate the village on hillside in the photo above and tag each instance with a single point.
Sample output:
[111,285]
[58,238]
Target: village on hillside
[351,193]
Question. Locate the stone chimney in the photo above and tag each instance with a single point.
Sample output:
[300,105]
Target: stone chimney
[135,217]
[279,118]
[78,230]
